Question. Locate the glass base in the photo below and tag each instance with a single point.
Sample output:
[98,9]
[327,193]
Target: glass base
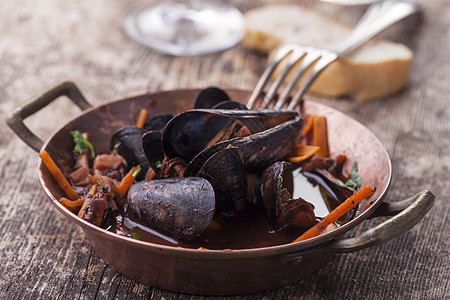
[186,30]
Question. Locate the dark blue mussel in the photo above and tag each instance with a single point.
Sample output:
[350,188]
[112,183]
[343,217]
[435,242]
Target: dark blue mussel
[210,97]
[180,207]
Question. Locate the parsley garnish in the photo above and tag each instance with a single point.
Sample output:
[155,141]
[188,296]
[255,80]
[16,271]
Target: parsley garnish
[135,235]
[355,180]
[81,143]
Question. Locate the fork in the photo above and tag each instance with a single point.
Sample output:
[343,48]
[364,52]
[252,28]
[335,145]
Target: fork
[379,16]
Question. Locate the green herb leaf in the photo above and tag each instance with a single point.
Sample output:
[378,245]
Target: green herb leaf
[280,182]
[135,173]
[338,181]
[81,143]
[104,188]
[158,164]
[355,180]
[135,235]
[351,184]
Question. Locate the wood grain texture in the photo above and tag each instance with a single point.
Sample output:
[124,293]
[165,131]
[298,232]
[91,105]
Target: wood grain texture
[44,256]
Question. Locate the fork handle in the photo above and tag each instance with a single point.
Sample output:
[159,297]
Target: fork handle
[378,17]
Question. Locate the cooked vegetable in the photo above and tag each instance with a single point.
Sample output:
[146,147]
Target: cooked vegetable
[71,203]
[59,177]
[302,152]
[355,180]
[81,143]
[94,206]
[308,124]
[73,206]
[141,119]
[320,135]
[127,181]
[338,212]
[135,235]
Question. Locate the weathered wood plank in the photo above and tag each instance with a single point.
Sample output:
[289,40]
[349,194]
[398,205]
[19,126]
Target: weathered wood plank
[45,256]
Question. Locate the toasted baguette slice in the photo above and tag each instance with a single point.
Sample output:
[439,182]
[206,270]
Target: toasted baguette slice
[375,70]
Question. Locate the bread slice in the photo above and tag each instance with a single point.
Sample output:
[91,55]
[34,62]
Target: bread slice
[377,69]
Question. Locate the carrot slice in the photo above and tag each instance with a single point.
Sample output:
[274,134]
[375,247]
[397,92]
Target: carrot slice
[338,212]
[127,181]
[302,152]
[150,174]
[59,177]
[308,124]
[141,119]
[320,135]
[70,203]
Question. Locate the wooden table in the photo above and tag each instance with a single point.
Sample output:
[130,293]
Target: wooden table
[43,255]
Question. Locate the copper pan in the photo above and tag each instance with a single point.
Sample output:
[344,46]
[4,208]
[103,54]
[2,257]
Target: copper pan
[220,272]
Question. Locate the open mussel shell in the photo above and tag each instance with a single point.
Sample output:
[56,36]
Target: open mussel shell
[230,105]
[190,132]
[179,207]
[127,142]
[210,97]
[275,195]
[259,150]
[225,171]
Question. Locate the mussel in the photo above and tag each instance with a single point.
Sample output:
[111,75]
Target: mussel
[127,142]
[189,133]
[180,207]
[225,171]
[210,97]
[157,122]
[259,149]
[280,208]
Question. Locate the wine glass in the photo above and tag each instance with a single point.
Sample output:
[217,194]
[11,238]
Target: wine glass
[185,29]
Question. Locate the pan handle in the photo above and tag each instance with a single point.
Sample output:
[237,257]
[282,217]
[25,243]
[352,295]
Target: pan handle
[15,119]
[407,214]
[410,212]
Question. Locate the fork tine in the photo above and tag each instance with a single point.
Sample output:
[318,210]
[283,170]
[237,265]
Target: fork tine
[326,59]
[312,56]
[279,56]
[297,54]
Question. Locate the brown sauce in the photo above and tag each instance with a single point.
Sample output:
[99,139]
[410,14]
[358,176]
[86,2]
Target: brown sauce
[249,230]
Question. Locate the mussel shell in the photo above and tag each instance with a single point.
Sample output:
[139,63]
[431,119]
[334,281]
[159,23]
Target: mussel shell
[259,150]
[269,187]
[127,141]
[189,133]
[209,97]
[225,171]
[157,122]
[230,105]
[276,198]
[179,207]
[151,144]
